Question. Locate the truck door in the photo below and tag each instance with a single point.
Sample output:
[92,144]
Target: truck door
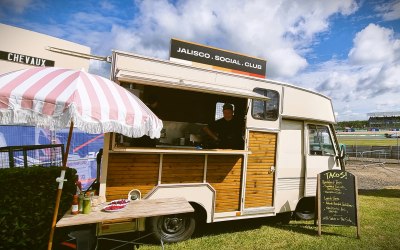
[260,174]
[320,155]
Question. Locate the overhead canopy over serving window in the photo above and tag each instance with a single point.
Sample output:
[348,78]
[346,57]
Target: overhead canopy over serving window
[170,82]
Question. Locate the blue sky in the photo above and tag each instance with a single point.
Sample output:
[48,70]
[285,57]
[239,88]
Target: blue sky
[348,50]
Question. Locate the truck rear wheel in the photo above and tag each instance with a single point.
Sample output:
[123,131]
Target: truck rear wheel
[172,228]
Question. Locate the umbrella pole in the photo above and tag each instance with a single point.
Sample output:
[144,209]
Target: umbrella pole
[60,186]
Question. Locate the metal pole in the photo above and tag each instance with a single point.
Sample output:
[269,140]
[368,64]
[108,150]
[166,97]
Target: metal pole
[356,147]
[397,137]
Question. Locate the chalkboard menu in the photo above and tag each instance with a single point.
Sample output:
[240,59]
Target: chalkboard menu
[337,199]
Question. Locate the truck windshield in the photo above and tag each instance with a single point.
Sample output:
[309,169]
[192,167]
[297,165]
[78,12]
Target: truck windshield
[320,140]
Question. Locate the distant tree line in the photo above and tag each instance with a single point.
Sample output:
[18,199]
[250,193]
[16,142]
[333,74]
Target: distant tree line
[351,124]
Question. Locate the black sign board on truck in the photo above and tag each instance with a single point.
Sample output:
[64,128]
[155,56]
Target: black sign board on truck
[24,59]
[337,199]
[237,63]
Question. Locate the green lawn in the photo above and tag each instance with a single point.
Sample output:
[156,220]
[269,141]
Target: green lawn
[369,142]
[380,229]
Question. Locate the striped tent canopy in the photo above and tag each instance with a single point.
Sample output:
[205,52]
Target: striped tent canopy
[53,97]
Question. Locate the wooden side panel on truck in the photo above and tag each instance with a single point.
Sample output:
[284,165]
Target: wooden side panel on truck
[131,171]
[260,174]
[224,175]
[179,168]
[141,171]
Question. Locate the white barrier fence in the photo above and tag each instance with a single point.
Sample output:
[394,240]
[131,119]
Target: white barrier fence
[372,157]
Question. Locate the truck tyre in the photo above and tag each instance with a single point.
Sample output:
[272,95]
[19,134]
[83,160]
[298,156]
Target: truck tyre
[305,210]
[172,228]
[305,215]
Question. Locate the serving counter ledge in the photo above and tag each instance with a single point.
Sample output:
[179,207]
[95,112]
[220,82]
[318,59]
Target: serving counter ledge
[179,150]
[134,210]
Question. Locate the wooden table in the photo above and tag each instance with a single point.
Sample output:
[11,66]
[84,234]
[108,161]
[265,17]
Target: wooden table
[134,209]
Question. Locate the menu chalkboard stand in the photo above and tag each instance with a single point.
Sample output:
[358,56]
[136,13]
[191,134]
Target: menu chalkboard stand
[339,205]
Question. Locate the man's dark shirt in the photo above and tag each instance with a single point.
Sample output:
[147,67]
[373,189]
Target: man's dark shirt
[229,133]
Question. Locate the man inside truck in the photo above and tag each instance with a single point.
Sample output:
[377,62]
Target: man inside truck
[226,132]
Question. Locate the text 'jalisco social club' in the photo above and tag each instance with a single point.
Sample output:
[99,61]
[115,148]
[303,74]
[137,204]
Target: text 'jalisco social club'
[217,58]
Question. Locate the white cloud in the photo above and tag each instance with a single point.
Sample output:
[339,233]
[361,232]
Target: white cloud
[274,30]
[389,11]
[100,68]
[281,31]
[106,5]
[367,82]
[17,6]
[374,44]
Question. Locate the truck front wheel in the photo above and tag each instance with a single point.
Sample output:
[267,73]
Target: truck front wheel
[305,215]
[172,228]
[305,210]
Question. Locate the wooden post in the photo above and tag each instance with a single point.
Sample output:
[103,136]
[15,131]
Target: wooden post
[60,186]
[319,205]
[357,216]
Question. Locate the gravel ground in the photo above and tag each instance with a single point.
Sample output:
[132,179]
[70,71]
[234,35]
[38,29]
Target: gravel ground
[375,176]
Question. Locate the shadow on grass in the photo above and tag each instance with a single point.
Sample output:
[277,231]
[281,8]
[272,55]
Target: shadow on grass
[305,229]
[388,193]
[219,228]
[222,228]
[120,241]
[227,227]
[300,227]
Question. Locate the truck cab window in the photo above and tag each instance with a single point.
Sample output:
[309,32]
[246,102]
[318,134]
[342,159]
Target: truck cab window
[320,142]
[266,110]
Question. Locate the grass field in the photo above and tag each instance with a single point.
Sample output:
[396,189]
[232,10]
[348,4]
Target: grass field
[379,219]
[369,141]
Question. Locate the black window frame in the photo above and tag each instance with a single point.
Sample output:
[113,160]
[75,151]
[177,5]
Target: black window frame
[322,148]
[266,92]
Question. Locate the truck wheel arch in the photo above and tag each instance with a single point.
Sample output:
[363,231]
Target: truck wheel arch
[203,202]
[305,209]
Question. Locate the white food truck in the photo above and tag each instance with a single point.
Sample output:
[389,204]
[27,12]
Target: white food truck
[288,139]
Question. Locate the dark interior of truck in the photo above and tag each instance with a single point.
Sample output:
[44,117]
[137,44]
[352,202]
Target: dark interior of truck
[188,111]
[189,106]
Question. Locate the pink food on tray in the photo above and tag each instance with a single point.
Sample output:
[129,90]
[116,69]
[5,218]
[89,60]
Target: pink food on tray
[119,202]
[114,207]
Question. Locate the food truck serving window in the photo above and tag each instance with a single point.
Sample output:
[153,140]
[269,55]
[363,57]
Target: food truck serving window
[266,110]
[185,114]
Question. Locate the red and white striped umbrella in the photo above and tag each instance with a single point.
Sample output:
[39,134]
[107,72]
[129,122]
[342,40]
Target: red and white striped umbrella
[53,97]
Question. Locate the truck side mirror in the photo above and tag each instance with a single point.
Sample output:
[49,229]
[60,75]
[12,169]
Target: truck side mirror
[342,153]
